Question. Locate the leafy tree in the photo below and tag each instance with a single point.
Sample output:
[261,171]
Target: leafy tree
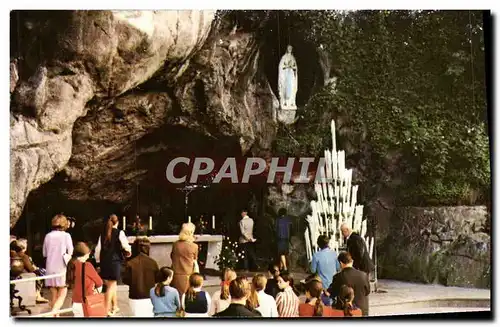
[410,82]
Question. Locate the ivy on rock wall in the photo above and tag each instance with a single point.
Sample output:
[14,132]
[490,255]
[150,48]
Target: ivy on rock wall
[408,82]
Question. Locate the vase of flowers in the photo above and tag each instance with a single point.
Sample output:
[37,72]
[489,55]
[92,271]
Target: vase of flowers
[230,255]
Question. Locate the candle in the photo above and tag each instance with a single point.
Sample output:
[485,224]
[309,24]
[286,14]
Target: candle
[213,222]
[371,247]
[124,223]
[189,219]
[150,223]
[334,142]
[328,159]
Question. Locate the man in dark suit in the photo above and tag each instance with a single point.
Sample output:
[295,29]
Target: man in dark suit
[354,278]
[140,275]
[239,290]
[356,246]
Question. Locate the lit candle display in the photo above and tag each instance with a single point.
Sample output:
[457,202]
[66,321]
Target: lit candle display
[124,223]
[213,222]
[150,222]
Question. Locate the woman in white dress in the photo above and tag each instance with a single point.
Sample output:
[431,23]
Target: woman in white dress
[57,249]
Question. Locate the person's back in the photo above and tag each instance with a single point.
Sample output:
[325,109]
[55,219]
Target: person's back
[239,289]
[197,305]
[359,251]
[267,305]
[324,262]
[140,275]
[307,310]
[166,305]
[219,304]
[238,310]
[55,245]
[358,280]
[183,256]
[283,225]
[92,280]
[196,302]
[110,251]
[287,303]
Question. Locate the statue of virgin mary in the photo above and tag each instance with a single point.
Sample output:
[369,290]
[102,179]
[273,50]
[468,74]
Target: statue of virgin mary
[287,80]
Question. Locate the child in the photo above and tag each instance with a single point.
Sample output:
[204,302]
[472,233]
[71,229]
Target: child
[196,303]
[272,283]
[74,277]
[287,301]
[165,298]
[221,298]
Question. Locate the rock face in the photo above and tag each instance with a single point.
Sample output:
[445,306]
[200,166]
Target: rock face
[109,86]
[446,245]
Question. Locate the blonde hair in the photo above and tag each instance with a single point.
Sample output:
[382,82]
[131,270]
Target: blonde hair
[228,276]
[60,222]
[187,232]
[195,281]
[259,282]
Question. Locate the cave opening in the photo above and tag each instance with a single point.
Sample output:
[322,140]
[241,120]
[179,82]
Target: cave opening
[151,193]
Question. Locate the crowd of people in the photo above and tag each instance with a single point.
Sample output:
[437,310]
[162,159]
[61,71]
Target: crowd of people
[335,289]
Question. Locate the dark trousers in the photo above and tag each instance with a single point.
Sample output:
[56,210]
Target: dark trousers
[249,261]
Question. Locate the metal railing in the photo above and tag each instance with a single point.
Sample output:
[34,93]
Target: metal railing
[29,279]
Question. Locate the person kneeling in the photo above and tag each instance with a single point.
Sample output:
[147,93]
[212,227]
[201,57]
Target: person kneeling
[140,276]
[196,303]
[165,298]
[239,289]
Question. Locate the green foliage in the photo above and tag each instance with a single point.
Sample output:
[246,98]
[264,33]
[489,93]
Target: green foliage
[414,83]
[229,256]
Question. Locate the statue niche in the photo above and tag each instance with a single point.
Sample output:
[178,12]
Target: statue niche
[287,87]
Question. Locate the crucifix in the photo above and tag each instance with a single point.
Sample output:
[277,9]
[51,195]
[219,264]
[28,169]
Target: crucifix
[187,190]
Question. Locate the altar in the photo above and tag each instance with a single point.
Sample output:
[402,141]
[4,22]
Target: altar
[161,247]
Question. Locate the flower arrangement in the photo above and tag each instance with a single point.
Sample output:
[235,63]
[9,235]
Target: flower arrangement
[230,255]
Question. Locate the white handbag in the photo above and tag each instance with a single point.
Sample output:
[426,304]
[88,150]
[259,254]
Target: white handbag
[196,267]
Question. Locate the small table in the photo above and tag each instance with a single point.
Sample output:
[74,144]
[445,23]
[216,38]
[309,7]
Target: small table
[161,247]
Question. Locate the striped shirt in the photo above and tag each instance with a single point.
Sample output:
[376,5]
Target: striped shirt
[287,303]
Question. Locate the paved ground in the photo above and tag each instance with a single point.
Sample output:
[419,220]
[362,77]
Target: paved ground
[393,297]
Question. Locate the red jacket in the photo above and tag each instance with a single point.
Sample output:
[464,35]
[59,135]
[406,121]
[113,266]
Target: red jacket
[92,280]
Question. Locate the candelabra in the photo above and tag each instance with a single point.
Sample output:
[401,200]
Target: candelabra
[335,204]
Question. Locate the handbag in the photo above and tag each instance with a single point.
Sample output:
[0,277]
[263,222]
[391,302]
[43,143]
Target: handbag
[196,267]
[94,305]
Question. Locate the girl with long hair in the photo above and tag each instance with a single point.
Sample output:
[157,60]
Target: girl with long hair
[196,303]
[92,279]
[314,307]
[344,306]
[287,301]
[221,298]
[109,252]
[262,302]
[253,298]
[165,299]
[57,246]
